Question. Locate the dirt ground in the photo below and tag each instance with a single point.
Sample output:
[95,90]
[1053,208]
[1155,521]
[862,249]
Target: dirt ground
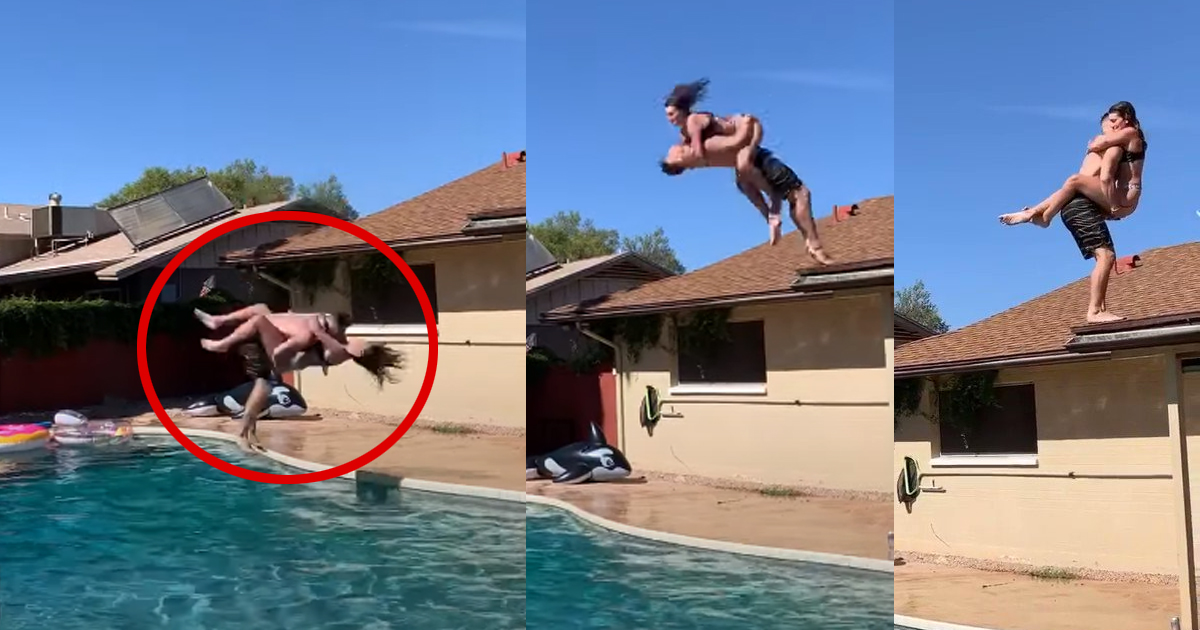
[1010,601]
[830,525]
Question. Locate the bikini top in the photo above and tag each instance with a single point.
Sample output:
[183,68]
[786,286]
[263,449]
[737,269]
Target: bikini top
[1134,156]
[710,129]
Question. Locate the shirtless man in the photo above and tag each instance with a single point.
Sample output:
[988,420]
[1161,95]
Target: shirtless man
[769,175]
[274,343]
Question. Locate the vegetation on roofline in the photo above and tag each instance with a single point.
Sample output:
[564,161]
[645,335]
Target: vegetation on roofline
[45,327]
[956,400]
[699,332]
[374,271]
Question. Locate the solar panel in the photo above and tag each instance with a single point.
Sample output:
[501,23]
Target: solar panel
[153,218]
[536,255]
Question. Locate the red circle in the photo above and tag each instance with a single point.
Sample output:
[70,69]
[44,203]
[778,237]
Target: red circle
[267,217]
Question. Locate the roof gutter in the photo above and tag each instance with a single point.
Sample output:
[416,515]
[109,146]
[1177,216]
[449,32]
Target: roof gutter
[326,252]
[1130,339]
[846,279]
[995,364]
[682,306]
[815,287]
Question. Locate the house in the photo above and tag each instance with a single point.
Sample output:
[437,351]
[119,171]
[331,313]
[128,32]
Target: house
[118,253]
[555,285]
[769,367]
[1075,460]
[16,238]
[460,240]
[906,330]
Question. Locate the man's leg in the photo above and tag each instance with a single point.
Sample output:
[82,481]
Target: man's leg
[1098,285]
[800,200]
[256,402]
[752,187]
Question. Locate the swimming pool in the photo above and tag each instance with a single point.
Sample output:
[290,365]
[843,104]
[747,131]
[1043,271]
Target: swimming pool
[580,576]
[151,537]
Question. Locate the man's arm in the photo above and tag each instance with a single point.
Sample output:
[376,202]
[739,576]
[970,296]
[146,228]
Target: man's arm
[334,347]
[1102,143]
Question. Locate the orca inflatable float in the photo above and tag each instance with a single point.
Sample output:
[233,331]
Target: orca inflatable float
[283,402]
[590,460]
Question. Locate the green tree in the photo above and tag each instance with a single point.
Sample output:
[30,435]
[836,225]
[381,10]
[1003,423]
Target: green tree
[329,194]
[916,303]
[244,182]
[654,246]
[569,236]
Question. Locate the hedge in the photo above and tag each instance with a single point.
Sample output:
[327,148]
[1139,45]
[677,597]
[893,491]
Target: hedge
[45,327]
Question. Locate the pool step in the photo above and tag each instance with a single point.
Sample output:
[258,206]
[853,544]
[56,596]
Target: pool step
[375,487]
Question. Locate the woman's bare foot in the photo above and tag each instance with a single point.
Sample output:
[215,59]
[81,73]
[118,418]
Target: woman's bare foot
[210,344]
[775,223]
[1103,317]
[1015,218]
[818,254]
[209,321]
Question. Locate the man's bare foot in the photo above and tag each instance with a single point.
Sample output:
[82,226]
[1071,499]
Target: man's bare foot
[775,224]
[209,321]
[1014,218]
[818,254]
[1103,317]
[209,344]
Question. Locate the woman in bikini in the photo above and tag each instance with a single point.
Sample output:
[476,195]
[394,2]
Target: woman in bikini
[705,131]
[1111,174]
[275,343]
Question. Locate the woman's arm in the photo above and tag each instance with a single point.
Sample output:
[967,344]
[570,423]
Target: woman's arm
[695,127]
[1120,137]
[335,349]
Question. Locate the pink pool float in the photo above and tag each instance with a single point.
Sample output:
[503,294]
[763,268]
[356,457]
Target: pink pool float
[17,438]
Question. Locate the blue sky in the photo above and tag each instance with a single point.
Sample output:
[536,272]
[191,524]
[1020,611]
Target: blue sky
[395,98]
[995,105]
[818,74]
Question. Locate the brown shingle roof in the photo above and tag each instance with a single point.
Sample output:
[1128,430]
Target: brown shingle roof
[498,189]
[764,271]
[11,223]
[1167,284]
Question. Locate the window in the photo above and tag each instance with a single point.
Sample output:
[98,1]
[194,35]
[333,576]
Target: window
[740,359]
[1010,428]
[376,302]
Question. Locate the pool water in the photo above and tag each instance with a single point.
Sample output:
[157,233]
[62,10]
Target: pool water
[148,536]
[580,576]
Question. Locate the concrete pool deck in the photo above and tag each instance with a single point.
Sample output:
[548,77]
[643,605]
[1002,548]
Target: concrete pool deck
[1012,601]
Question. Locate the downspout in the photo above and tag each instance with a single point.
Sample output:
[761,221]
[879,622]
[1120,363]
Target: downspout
[618,367]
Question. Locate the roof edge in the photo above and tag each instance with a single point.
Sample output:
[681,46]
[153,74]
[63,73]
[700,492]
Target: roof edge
[993,363]
[613,259]
[354,248]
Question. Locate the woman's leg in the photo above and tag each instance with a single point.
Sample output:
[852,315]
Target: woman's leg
[1108,175]
[214,322]
[1075,185]
[258,325]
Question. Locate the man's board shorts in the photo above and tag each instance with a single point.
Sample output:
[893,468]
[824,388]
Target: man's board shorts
[1085,221]
[779,175]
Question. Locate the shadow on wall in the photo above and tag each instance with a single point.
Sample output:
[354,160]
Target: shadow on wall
[1091,401]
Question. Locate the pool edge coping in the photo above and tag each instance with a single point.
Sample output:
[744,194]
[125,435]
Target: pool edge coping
[925,624]
[513,496]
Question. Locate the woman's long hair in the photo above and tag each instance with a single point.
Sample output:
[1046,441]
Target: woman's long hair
[1125,110]
[380,360]
[685,95]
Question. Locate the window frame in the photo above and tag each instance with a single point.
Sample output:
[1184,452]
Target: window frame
[405,328]
[997,459]
[682,387]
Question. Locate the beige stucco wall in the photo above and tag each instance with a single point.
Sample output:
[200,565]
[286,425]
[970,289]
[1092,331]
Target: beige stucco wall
[831,355]
[14,249]
[481,344]
[1099,418]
